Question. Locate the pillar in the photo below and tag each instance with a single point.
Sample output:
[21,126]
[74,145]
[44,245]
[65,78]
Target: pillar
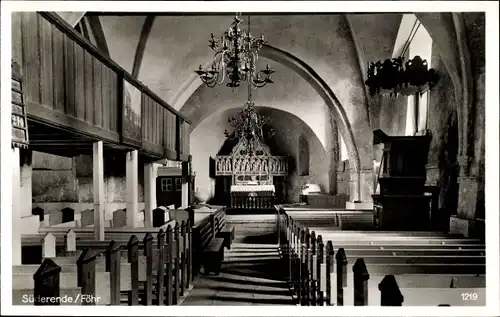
[98,186]
[464,222]
[132,175]
[334,153]
[16,206]
[149,193]
[185,193]
[361,189]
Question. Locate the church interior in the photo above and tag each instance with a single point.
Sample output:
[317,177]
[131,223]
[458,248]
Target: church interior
[311,159]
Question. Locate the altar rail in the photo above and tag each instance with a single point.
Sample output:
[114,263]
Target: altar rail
[239,201]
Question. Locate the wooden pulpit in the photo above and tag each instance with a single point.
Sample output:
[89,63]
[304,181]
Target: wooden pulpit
[402,203]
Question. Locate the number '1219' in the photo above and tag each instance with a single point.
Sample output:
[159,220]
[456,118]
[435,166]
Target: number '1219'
[469,296]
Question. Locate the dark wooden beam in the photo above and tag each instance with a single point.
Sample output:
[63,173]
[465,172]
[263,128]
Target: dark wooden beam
[59,120]
[155,150]
[141,46]
[100,38]
[85,30]
[68,144]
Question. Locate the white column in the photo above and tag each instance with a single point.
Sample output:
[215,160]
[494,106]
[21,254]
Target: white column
[16,207]
[99,199]
[149,193]
[132,176]
[185,194]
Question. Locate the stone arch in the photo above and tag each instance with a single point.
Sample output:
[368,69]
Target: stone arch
[303,156]
[319,85]
[209,142]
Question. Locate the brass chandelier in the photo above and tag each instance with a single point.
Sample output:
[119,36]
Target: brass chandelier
[236,53]
[248,124]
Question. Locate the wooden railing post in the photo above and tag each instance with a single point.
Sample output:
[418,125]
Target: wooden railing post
[160,278]
[390,294]
[290,251]
[170,244]
[302,235]
[312,265]
[190,273]
[212,221]
[86,276]
[307,271]
[184,281]
[319,277]
[329,271]
[46,280]
[287,246]
[113,267]
[341,275]
[361,277]
[297,260]
[176,274]
[278,220]
[195,240]
[148,252]
[133,259]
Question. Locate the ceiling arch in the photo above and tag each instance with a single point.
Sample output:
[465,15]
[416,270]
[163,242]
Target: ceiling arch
[323,90]
[289,93]
[207,141]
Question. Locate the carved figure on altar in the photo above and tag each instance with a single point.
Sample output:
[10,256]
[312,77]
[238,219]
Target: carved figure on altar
[218,165]
[246,166]
[252,164]
[237,166]
[258,164]
[227,164]
[273,165]
[264,165]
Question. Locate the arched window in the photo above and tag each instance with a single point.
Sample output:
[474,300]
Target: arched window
[303,156]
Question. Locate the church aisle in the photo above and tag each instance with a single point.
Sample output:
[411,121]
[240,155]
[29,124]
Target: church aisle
[250,275]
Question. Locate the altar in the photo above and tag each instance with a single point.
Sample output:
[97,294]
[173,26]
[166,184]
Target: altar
[252,174]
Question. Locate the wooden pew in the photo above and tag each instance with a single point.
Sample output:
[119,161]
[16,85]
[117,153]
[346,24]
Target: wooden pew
[224,230]
[382,264]
[180,246]
[207,248]
[117,273]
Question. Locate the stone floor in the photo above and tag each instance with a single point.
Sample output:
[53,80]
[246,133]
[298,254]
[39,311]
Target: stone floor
[251,275]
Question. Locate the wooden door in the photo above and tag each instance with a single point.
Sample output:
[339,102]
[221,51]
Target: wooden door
[169,191]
